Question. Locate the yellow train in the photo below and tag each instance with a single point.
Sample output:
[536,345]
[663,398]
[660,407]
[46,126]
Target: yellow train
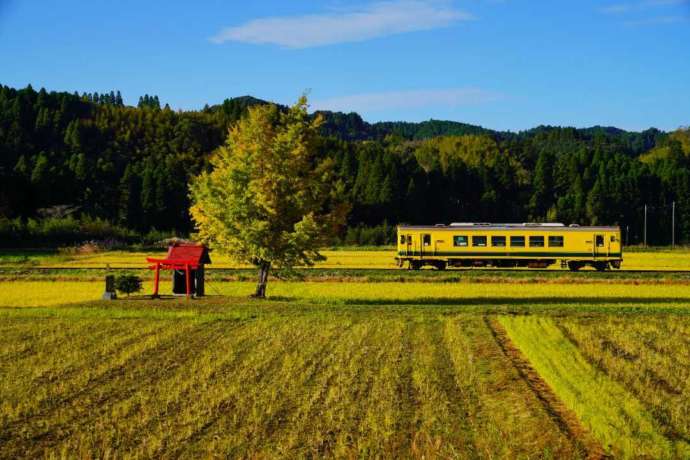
[509,245]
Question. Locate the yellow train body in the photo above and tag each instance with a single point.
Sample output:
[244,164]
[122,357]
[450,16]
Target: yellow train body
[509,245]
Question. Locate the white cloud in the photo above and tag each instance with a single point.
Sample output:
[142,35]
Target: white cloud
[375,102]
[375,20]
[660,20]
[624,8]
[617,8]
[653,3]
[649,12]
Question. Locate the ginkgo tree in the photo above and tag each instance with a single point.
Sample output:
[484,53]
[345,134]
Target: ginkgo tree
[269,198]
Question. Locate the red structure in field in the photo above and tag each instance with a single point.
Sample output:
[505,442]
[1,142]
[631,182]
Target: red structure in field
[187,263]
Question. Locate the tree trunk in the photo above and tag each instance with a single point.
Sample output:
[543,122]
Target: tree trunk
[264,267]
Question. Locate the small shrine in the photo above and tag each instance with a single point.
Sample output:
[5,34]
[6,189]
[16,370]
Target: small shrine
[187,262]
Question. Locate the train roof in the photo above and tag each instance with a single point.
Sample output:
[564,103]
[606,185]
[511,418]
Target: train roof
[549,227]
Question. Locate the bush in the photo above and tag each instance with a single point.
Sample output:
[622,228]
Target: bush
[128,284]
[100,229]
[11,228]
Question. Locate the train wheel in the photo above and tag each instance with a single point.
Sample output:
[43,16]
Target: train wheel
[441,266]
[415,265]
[600,266]
[574,266]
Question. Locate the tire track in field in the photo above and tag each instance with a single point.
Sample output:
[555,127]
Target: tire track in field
[563,417]
[117,383]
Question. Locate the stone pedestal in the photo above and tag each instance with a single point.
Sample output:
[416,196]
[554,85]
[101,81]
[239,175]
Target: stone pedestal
[109,293]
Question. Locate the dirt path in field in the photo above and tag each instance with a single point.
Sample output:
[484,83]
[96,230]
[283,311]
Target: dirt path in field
[566,420]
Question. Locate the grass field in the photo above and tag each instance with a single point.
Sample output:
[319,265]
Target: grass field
[620,421]
[265,381]
[651,358]
[352,258]
[493,369]
[20,293]
[346,258]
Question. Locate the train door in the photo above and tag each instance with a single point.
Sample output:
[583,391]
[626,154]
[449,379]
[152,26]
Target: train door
[412,245]
[409,248]
[425,246]
[599,245]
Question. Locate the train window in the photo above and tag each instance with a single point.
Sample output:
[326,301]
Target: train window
[517,241]
[555,241]
[613,239]
[402,239]
[498,241]
[409,239]
[426,239]
[600,241]
[536,241]
[460,240]
[479,241]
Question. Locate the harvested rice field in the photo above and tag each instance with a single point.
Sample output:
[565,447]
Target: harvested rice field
[345,258]
[501,367]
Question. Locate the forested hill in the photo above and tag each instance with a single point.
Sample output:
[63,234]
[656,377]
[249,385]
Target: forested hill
[350,126]
[90,155]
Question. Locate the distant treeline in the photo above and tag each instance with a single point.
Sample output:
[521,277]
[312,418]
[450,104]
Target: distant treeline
[70,232]
[91,157]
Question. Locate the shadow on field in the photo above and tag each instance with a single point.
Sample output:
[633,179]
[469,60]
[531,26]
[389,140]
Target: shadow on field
[166,297]
[520,301]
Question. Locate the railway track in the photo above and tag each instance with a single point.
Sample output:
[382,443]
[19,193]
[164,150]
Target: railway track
[379,270]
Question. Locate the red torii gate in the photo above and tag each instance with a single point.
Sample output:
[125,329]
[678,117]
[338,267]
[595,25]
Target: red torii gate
[181,256]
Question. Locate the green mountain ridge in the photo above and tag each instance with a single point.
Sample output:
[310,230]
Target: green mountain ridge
[131,166]
[351,126]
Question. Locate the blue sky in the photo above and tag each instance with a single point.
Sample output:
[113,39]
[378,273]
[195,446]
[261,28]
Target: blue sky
[503,64]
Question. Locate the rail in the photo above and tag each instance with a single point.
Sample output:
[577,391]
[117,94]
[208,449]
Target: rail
[392,269]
